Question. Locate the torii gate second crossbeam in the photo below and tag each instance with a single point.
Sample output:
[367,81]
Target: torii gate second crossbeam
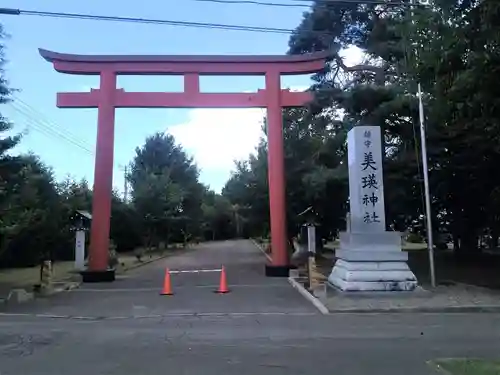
[108,97]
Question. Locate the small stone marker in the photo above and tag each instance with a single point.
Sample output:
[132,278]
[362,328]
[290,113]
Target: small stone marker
[80,250]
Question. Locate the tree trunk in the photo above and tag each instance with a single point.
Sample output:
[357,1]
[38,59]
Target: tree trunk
[456,242]
[468,246]
[494,238]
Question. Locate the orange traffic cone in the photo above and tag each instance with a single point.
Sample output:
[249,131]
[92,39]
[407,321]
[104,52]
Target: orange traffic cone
[223,282]
[167,285]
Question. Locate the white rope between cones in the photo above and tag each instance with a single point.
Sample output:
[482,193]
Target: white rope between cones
[196,271]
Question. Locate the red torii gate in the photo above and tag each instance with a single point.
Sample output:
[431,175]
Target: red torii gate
[108,97]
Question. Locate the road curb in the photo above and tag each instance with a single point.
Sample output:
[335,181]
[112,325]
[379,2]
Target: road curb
[401,310]
[30,296]
[297,286]
[153,316]
[305,293]
[447,310]
[68,286]
[261,250]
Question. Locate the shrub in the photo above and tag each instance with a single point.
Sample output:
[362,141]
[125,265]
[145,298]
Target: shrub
[139,253]
[414,238]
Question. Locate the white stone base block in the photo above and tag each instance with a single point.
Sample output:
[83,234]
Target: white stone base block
[371,262]
[381,286]
[372,276]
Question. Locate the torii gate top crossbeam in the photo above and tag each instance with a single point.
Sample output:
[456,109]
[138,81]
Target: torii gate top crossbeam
[177,64]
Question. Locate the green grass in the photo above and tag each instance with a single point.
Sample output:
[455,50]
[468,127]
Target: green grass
[414,246]
[31,275]
[464,366]
[62,271]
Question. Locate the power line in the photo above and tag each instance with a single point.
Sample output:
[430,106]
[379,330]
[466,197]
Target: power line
[39,122]
[50,126]
[254,2]
[260,29]
[144,20]
[53,126]
[50,131]
[301,3]
[403,2]
[42,127]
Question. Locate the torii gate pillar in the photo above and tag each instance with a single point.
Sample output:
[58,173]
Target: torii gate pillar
[276,177]
[108,97]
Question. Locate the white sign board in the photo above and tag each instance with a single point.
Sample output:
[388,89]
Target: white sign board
[366,184]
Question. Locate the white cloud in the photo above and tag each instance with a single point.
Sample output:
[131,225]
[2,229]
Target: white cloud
[218,137]
[298,88]
[352,55]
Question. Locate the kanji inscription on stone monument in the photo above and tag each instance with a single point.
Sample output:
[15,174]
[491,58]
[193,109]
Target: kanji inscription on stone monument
[366,186]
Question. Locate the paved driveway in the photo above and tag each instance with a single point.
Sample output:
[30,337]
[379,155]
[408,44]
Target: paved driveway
[138,292]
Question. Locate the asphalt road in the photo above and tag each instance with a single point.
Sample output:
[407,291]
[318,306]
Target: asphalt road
[262,327]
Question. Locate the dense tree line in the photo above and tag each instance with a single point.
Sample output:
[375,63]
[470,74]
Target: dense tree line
[168,205]
[452,49]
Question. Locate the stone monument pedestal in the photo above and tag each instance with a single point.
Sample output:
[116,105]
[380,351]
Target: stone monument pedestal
[371,262]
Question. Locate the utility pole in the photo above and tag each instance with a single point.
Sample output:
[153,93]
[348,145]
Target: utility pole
[425,169]
[125,184]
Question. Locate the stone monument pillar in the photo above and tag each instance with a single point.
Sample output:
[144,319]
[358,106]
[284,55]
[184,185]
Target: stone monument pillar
[369,258]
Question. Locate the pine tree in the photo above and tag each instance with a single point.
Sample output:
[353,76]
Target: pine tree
[7,142]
